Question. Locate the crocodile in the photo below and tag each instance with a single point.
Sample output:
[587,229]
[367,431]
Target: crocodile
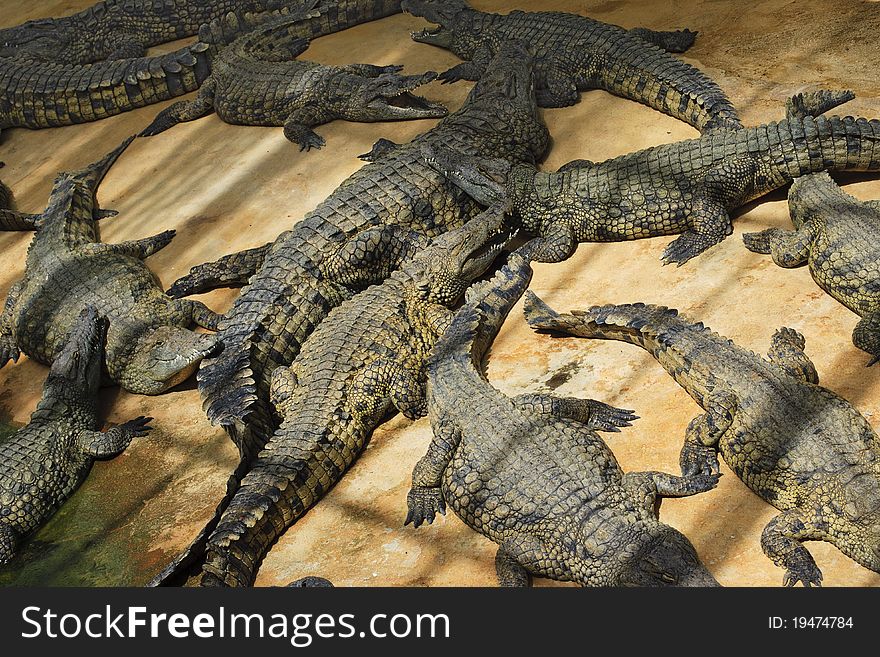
[576,53]
[797,445]
[39,94]
[121,29]
[688,188]
[257,81]
[364,361]
[149,347]
[294,282]
[834,235]
[538,480]
[44,462]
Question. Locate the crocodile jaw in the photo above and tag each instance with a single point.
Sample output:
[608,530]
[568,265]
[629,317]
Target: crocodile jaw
[405,105]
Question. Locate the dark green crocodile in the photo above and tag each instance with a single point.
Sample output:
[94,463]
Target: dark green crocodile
[297,280]
[149,347]
[687,188]
[257,80]
[39,94]
[576,53]
[121,29]
[44,462]
[835,235]
[797,445]
[364,360]
[536,478]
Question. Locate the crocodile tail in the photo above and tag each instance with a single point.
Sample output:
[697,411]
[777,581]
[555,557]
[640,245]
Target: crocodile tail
[647,326]
[295,470]
[813,144]
[44,95]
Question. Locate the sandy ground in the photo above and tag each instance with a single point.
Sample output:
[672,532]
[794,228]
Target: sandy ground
[225,188]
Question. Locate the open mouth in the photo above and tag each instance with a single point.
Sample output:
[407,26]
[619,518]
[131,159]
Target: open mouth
[409,105]
[428,35]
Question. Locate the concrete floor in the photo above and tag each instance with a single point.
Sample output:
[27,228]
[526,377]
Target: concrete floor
[225,188]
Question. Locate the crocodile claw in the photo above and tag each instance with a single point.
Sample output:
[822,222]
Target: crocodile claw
[804,570]
[137,427]
[698,460]
[702,483]
[758,242]
[424,504]
[310,141]
[604,417]
[455,74]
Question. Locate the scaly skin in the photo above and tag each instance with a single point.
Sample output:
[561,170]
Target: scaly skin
[120,29]
[39,94]
[576,53]
[537,479]
[43,463]
[835,235]
[296,282]
[688,188]
[149,347]
[10,219]
[366,359]
[797,445]
[256,80]
[36,94]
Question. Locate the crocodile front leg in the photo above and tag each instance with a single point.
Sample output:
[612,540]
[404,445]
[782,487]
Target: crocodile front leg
[200,313]
[106,445]
[380,149]
[472,70]
[594,414]
[8,346]
[781,542]
[187,110]
[369,257]
[699,455]
[667,485]
[787,351]
[142,248]
[558,243]
[12,220]
[789,248]
[298,124]
[425,499]
[556,87]
[231,270]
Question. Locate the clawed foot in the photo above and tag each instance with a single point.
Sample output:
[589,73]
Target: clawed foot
[604,417]
[698,460]
[686,247]
[424,504]
[455,74]
[758,242]
[702,483]
[311,140]
[137,427]
[802,569]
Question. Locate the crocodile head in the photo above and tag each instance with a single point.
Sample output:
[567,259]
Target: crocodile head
[445,14]
[457,258]
[667,558]
[77,367]
[42,38]
[164,356]
[389,97]
[482,178]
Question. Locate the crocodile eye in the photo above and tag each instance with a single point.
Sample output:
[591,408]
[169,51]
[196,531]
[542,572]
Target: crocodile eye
[159,343]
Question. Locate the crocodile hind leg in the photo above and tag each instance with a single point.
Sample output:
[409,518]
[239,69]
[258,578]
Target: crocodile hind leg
[114,441]
[425,498]
[126,47]
[594,414]
[8,542]
[12,220]
[781,542]
[186,110]
[787,351]
[866,336]
[789,248]
[8,347]
[676,41]
[380,149]
[699,455]
[558,243]
[231,270]
[724,185]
